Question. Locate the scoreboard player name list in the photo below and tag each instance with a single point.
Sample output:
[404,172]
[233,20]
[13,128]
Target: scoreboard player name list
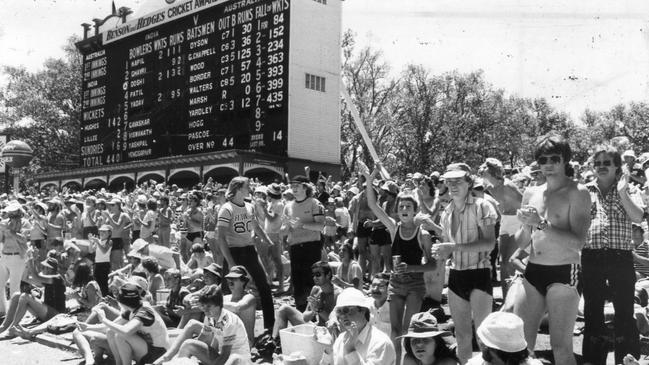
[213,80]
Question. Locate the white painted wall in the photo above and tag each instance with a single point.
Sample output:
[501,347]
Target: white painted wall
[314,116]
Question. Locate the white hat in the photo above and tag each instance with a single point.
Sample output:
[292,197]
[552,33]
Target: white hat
[352,297]
[139,244]
[502,331]
[629,153]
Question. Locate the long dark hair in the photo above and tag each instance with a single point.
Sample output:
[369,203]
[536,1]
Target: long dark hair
[82,275]
[509,358]
[442,349]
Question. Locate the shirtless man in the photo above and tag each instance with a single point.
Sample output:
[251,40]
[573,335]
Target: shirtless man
[509,199]
[556,218]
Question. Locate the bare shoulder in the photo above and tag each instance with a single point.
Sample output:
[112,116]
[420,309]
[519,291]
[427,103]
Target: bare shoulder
[579,194]
[511,186]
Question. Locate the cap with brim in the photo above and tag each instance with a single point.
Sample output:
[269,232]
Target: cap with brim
[274,190]
[300,179]
[115,201]
[288,192]
[135,254]
[13,208]
[130,290]
[139,244]
[50,262]
[42,205]
[456,170]
[237,272]
[354,190]
[214,269]
[140,281]
[141,199]
[424,325]
[629,153]
[391,187]
[106,227]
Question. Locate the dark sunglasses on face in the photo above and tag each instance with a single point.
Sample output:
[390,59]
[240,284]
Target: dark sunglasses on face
[316,274]
[606,163]
[544,160]
[346,310]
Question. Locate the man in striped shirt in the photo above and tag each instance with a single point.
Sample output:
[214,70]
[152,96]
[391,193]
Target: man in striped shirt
[608,258]
[555,217]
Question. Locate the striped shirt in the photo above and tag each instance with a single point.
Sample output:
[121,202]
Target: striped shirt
[610,225]
[473,219]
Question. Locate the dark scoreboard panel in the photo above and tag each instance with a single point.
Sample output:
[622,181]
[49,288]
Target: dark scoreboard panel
[214,80]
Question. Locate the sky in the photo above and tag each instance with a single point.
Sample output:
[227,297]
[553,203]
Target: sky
[577,54]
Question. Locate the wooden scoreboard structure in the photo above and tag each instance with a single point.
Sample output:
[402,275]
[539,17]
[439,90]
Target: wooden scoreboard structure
[252,81]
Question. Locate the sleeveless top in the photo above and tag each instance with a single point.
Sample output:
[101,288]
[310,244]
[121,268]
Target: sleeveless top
[55,294]
[409,248]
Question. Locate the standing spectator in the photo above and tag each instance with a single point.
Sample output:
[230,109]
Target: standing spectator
[304,220]
[13,231]
[88,217]
[362,217]
[148,223]
[236,224]
[38,233]
[468,236]
[193,218]
[165,215]
[556,218]
[118,220]
[273,225]
[607,259]
[55,222]
[102,246]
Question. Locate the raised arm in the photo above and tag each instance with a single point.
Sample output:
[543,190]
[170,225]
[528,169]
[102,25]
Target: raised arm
[389,223]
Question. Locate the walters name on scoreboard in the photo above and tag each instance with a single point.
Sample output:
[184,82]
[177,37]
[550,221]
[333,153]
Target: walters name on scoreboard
[194,77]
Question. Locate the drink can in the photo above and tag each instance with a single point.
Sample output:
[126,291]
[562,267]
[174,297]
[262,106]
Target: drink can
[396,260]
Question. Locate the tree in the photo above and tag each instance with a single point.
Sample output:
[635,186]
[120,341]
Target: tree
[43,109]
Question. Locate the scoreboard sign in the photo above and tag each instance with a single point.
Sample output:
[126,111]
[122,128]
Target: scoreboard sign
[194,77]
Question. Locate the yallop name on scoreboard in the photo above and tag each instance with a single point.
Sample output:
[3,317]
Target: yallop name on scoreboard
[213,78]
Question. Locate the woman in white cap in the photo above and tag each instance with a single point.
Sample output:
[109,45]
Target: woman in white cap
[359,342]
[425,344]
[502,341]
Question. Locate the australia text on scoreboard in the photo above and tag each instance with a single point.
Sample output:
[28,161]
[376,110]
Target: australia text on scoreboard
[197,77]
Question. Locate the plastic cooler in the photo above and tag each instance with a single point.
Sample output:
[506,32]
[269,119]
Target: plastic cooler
[300,339]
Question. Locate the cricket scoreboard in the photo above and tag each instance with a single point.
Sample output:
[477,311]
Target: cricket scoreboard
[197,76]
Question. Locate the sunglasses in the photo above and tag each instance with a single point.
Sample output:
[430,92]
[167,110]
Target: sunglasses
[346,311]
[606,163]
[316,274]
[544,160]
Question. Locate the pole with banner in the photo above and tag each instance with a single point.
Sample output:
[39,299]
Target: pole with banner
[361,128]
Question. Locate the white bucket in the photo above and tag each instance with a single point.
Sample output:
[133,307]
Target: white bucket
[300,339]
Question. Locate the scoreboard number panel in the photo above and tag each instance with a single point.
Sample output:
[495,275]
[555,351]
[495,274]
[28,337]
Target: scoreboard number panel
[216,79]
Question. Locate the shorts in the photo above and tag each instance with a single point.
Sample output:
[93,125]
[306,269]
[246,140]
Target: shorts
[38,243]
[380,237]
[463,282]
[118,243]
[362,232]
[542,277]
[341,232]
[193,235]
[152,354]
[405,285]
[135,235]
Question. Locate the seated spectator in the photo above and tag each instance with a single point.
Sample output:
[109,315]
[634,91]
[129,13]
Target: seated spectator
[211,276]
[134,264]
[380,303]
[360,342]
[425,344]
[53,299]
[241,302]
[349,273]
[139,333]
[172,310]
[503,341]
[321,301]
[153,276]
[640,253]
[220,339]
[199,258]
[87,293]
[167,258]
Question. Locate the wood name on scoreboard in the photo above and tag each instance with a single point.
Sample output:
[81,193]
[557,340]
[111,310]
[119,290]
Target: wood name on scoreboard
[214,79]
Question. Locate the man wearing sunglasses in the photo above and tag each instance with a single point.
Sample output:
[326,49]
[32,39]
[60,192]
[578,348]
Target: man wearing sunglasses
[555,217]
[359,342]
[321,301]
[608,257]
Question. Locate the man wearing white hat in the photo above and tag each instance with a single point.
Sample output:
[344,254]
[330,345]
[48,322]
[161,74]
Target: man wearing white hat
[360,342]
[502,341]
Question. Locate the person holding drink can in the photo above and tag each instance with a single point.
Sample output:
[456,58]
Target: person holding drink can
[411,255]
